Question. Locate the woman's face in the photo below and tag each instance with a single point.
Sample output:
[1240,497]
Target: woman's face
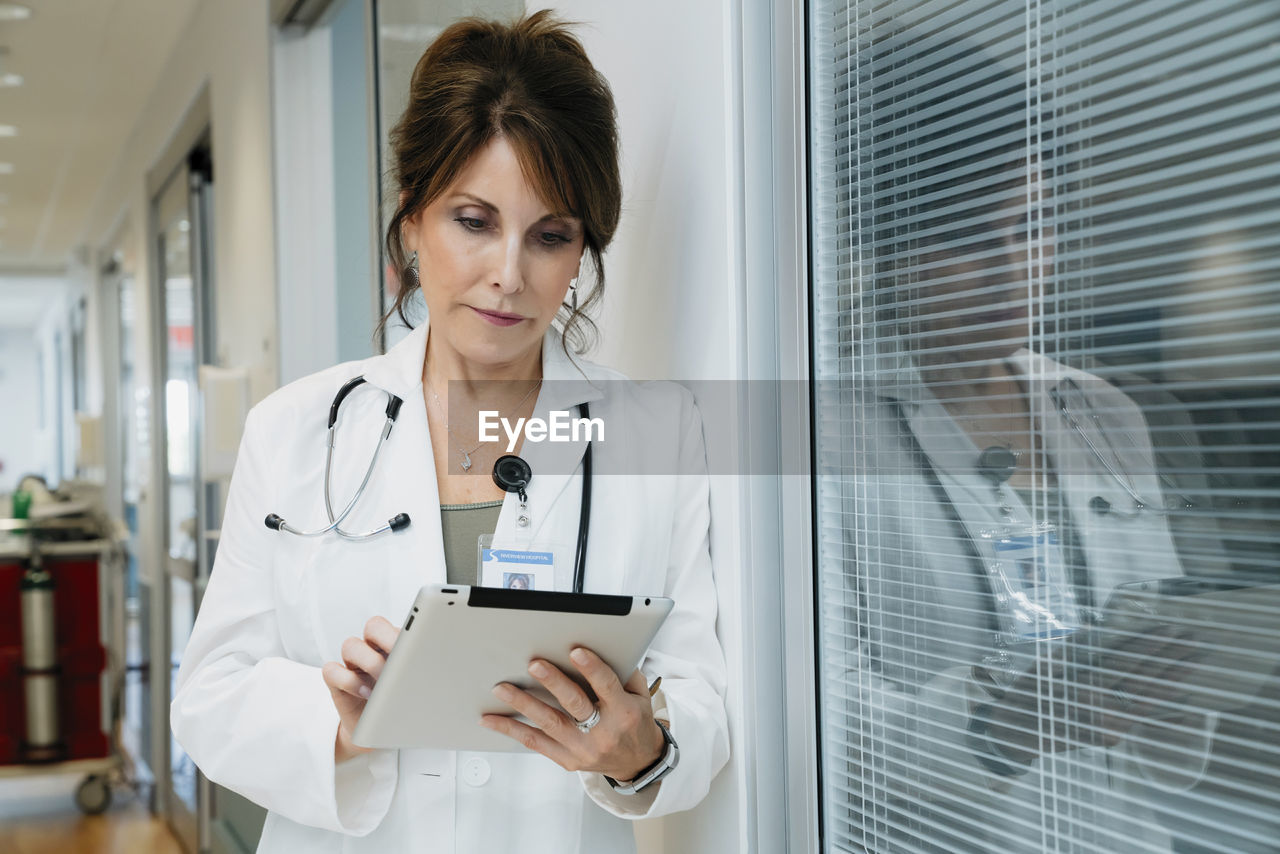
[494,261]
[974,300]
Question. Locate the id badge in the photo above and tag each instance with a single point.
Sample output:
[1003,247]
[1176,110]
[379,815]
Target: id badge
[1032,588]
[521,568]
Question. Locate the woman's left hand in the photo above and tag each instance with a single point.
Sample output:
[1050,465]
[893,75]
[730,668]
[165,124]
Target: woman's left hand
[624,742]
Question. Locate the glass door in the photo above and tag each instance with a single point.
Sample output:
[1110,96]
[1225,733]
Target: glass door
[181,236]
[133,446]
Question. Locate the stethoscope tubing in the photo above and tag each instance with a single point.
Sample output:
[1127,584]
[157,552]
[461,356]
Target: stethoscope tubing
[401,521]
[328,501]
[584,511]
[396,523]
[1140,503]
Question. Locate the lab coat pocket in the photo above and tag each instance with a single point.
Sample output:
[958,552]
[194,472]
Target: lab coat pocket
[294,612]
[343,584]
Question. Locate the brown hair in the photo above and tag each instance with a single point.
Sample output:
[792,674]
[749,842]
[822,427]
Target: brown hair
[531,83]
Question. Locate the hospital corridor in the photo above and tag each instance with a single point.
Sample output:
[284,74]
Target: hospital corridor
[678,427]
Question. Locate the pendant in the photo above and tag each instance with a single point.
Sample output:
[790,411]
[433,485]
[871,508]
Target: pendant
[466,461]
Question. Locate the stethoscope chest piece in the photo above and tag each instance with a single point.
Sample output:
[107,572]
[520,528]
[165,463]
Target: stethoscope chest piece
[512,474]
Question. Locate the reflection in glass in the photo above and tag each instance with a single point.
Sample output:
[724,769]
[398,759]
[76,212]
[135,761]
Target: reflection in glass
[1045,246]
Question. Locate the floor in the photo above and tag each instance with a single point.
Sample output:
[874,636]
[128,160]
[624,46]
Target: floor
[38,815]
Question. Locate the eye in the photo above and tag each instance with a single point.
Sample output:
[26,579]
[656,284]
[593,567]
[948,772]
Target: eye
[552,238]
[471,223]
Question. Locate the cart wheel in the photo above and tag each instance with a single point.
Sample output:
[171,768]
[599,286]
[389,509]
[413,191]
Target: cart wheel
[93,795]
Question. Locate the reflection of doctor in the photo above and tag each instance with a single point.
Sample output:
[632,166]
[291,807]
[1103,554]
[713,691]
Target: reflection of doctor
[930,618]
[261,704]
[962,761]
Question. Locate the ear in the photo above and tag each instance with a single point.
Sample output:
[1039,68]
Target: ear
[409,225]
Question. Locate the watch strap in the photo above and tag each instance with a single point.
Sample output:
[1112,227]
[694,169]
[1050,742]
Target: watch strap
[665,764]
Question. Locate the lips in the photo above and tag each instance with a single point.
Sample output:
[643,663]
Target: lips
[498,318]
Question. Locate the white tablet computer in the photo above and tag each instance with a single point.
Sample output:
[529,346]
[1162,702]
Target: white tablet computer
[458,642]
[1230,621]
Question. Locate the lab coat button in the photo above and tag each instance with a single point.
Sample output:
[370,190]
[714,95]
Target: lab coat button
[476,772]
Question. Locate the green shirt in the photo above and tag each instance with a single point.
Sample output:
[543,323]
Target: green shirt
[462,526]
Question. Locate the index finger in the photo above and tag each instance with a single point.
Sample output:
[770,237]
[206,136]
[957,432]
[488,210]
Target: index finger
[599,675]
[381,633]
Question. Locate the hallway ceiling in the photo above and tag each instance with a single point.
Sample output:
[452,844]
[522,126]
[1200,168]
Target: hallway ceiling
[88,68]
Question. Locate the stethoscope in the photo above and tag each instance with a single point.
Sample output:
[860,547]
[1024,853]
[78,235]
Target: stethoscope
[510,472]
[1059,395]
[997,464]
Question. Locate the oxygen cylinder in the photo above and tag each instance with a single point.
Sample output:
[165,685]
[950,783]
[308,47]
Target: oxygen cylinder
[39,662]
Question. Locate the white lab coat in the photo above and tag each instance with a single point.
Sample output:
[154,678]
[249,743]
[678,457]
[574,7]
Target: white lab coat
[918,607]
[252,710]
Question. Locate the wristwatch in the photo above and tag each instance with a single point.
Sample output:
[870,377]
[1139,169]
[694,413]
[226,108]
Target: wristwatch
[665,765]
[986,750]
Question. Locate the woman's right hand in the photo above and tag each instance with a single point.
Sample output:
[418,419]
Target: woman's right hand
[1094,704]
[351,681]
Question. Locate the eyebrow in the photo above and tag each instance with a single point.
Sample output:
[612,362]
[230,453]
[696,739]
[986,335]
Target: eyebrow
[492,207]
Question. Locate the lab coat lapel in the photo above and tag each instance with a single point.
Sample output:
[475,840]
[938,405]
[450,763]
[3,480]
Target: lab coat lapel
[565,385]
[949,451]
[1080,473]
[554,464]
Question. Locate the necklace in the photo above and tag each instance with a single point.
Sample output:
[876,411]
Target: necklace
[465,462]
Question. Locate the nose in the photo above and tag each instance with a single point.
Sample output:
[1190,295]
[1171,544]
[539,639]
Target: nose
[508,273]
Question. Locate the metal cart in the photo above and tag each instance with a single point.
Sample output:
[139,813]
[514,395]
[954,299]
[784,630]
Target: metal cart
[62,668]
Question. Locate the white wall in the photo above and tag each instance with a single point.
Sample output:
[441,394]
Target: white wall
[226,48]
[218,73]
[307,277]
[55,438]
[30,309]
[20,451]
[220,63]
[674,306]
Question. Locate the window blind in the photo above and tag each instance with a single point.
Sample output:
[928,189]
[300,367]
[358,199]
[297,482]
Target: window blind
[1046,284]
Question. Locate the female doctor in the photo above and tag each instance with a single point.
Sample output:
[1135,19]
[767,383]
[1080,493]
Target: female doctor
[507,169]
[975,447]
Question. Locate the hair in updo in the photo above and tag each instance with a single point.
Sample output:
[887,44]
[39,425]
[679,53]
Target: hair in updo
[529,82]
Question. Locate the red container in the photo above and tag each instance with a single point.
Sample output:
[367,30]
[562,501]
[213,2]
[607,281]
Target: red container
[81,657]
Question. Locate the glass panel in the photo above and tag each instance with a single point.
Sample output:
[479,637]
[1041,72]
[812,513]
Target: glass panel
[135,442]
[134,447]
[1046,281]
[180,392]
[182,771]
[180,388]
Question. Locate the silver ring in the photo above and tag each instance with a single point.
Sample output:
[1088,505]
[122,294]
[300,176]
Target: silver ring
[585,726]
